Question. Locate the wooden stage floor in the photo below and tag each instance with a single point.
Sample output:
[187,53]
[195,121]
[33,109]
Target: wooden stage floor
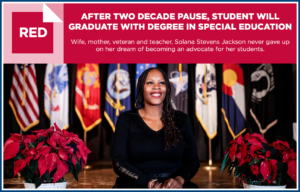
[101,176]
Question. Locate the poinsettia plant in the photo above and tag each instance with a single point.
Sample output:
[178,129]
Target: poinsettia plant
[254,161]
[46,156]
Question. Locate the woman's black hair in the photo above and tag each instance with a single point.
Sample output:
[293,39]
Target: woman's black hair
[172,135]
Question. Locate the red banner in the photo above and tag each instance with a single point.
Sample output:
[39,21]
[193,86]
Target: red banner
[180,33]
[87,98]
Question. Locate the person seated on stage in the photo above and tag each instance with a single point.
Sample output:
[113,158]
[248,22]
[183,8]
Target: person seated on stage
[154,145]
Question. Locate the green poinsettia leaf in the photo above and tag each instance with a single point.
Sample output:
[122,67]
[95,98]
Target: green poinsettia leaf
[24,172]
[72,168]
[279,171]
[29,175]
[279,179]
[274,153]
[224,163]
[40,139]
[18,156]
[38,181]
[266,146]
[284,171]
[10,171]
[74,146]
[74,174]
[270,176]
[240,169]
[69,163]
[31,145]
[33,165]
[77,166]
[255,161]
[52,173]
[231,167]
[279,167]
[47,176]
[237,169]
[21,147]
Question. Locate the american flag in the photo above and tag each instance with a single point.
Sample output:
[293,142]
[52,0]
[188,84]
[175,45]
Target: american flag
[24,96]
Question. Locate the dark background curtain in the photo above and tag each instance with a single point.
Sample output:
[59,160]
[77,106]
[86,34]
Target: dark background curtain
[99,139]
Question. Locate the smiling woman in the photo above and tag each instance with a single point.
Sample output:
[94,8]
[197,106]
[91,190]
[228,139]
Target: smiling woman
[154,145]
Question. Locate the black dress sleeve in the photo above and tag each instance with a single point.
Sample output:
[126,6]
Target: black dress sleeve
[121,163]
[190,160]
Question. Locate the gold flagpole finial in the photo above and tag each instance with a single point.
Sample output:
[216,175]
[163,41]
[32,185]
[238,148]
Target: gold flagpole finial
[180,71]
[24,84]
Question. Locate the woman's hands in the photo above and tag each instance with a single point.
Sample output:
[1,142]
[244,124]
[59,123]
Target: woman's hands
[172,183]
[154,184]
[175,183]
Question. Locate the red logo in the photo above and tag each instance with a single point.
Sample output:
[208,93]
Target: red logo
[30,34]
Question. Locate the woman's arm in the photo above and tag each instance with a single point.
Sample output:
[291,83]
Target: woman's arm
[121,163]
[190,157]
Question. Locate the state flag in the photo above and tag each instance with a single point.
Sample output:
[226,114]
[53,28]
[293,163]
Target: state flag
[233,99]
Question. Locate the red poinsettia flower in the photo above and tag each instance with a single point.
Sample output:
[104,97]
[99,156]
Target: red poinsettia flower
[42,165]
[248,151]
[288,156]
[274,170]
[240,140]
[233,141]
[48,149]
[268,153]
[259,137]
[254,149]
[12,145]
[247,159]
[281,145]
[254,169]
[266,169]
[62,169]
[238,156]
[41,133]
[254,141]
[19,165]
[292,168]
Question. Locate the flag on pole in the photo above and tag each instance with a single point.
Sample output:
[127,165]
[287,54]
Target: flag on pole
[24,96]
[117,96]
[56,94]
[178,76]
[233,99]
[263,105]
[206,98]
[140,68]
[87,96]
